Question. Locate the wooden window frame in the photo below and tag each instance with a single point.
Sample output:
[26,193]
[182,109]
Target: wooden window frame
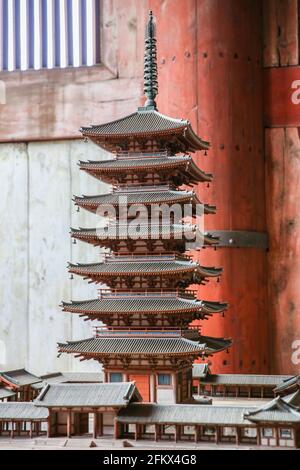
[170,385]
[119,373]
[52,104]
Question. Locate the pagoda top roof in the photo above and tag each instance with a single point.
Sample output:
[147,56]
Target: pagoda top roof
[147,124]
[147,345]
[144,122]
[148,304]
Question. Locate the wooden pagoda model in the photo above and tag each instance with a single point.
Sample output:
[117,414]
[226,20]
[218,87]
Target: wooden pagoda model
[143,303]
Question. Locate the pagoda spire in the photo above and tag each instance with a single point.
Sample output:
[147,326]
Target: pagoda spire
[150,64]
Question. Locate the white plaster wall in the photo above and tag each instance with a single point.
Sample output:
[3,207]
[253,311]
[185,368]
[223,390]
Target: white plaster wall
[38,181]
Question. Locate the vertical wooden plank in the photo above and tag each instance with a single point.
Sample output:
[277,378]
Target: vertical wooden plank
[49,251]
[282,147]
[283,199]
[280,26]
[13,253]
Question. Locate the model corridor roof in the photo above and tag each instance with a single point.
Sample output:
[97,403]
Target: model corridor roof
[93,395]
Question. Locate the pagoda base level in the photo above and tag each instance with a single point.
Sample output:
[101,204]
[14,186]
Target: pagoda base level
[163,386]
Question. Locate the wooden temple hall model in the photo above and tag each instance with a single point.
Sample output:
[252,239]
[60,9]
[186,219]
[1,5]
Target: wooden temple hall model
[144,305]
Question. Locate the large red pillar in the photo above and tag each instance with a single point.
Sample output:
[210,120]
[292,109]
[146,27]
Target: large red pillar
[210,71]
[281,59]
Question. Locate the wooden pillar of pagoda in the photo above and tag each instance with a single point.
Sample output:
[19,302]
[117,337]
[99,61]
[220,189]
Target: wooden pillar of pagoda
[215,60]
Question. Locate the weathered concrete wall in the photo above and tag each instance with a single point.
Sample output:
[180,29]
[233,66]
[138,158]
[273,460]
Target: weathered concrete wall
[38,181]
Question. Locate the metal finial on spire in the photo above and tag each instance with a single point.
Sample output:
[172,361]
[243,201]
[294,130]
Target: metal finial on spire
[150,64]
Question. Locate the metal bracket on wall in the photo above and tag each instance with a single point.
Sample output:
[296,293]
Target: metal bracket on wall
[241,239]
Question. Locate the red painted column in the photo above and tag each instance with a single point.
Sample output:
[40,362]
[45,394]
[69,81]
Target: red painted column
[210,72]
[282,147]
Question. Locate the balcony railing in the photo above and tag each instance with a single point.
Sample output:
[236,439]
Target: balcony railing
[160,153]
[102,331]
[129,188]
[165,256]
[145,293]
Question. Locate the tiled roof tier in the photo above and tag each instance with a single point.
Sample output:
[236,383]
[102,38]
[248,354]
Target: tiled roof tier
[276,410]
[142,124]
[88,395]
[289,383]
[19,377]
[150,305]
[22,411]
[144,267]
[145,197]
[6,393]
[115,167]
[244,379]
[146,232]
[293,399]
[183,414]
[114,345]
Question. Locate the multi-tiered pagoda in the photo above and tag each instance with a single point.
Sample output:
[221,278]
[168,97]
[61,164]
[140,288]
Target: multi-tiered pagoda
[144,303]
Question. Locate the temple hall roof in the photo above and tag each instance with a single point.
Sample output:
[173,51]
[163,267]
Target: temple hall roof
[90,395]
[19,377]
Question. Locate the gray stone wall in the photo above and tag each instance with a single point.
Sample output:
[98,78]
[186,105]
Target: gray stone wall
[38,181]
